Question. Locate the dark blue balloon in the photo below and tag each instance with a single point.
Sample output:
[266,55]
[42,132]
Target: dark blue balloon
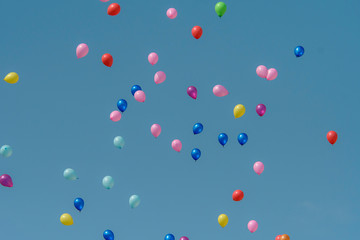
[135,88]
[169,237]
[242,138]
[122,105]
[223,138]
[79,204]
[108,235]
[198,128]
[196,154]
[299,51]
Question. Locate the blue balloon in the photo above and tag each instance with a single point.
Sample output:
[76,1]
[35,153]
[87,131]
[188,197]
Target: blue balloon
[79,204]
[223,138]
[196,154]
[198,128]
[108,235]
[122,105]
[242,138]
[299,51]
[169,237]
[135,88]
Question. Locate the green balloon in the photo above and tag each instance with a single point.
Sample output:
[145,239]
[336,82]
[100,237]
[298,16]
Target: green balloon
[220,8]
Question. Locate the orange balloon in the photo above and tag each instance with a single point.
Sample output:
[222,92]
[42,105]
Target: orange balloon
[285,237]
[332,137]
[107,60]
[197,32]
[278,237]
[113,9]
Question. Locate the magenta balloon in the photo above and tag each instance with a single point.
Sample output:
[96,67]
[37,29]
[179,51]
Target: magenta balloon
[192,92]
[261,109]
[184,238]
[6,180]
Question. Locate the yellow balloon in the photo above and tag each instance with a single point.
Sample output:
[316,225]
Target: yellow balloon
[239,110]
[12,78]
[223,220]
[66,219]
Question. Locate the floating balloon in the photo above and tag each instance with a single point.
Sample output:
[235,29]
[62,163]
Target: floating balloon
[107,60]
[104,0]
[258,167]
[192,92]
[140,96]
[176,145]
[6,180]
[223,220]
[220,9]
[220,91]
[6,151]
[332,137]
[299,51]
[70,174]
[169,237]
[171,13]
[198,128]
[278,237]
[242,138]
[285,237]
[272,74]
[197,32]
[122,105]
[82,50]
[262,71]
[239,110]
[79,204]
[159,77]
[184,238]
[223,138]
[196,154]
[252,226]
[115,116]
[108,235]
[238,195]
[12,78]
[108,182]
[153,58]
[113,9]
[134,201]
[155,130]
[261,109]
[134,89]
[66,219]
[119,142]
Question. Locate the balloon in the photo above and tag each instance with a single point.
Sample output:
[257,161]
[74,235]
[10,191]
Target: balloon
[238,195]
[140,96]
[332,137]
[122,105]
[220,91]
[171,13]
[115,116]
[12,78]
[285,237]
[261,109]
[242,138]
[258,167]
[82,50]
[272,74]
[107,60]
[108,235]
[79,204]
[66,219]
[6,180]
[252,226]
[278,237]
[155,130]
[119,142]
[153,58]
[113,9]
[134,89]
[104,0]
[196,154]
[192,92]
[184,238]
[223,138]
[134,201]
[198,128]
[223,220]
[299,51]
[176,145]
[169,237]
[6,151]
[70,174]
[239,110]
[108,182]
[197,32]
[220,8]
[159,77]
[262,71]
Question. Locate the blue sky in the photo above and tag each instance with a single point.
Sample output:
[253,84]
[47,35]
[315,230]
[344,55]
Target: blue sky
[57,116]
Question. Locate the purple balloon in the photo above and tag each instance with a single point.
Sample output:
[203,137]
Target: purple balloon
[184,238]
[261,109]
[6,181]
[192,92]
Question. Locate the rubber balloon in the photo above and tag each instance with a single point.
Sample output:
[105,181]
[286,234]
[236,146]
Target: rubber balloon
[115,116]
[171,13]
[140,96]
[104,0]
[108,182]
[108,235]
[153,58]
[155,130]
[198,128]
[113,9]
[82,50]
[134,89]
[169,237]
[258,167]
[119,142]
[6,180]
[70,174]
[197,32]
[122,105]
[223,220]
[176,145]
[184,238]
[12,78]
[252,226]
[220,91]
[159,77]
[238,195]
[223,138]
[272,74]
[285,237]
[332,137]
[107,60]
[239,110]
[79,204]
[261,109]
[278,237]
[196,154]
[192,92]
[299,51]
[134,201]
[242,138]
[262,71]
[220,9]
[66,219]
[6,151]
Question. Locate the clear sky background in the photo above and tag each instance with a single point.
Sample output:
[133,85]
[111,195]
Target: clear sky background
[57,117]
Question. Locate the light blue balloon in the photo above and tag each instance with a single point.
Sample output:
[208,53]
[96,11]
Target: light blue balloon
[134,201]
[6,151]
[119,142]
[70,174]
[108,182]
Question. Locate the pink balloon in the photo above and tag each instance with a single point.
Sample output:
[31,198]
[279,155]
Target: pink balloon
[82,50]
[140,96]
[259,167]
[104,0]
[184,238]
[155,130]
[159,77]
[262,71]
[192,92]
[271,74]
[153,58]
[261,109]
[6,180]
[176,145]
[171,13]
[115,116]
[220,91]
[252,226]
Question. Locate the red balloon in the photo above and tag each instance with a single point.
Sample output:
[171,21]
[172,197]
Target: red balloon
[197,32]
[238,195]
[107,60]
[113,9]
[331,137]
[278,237]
